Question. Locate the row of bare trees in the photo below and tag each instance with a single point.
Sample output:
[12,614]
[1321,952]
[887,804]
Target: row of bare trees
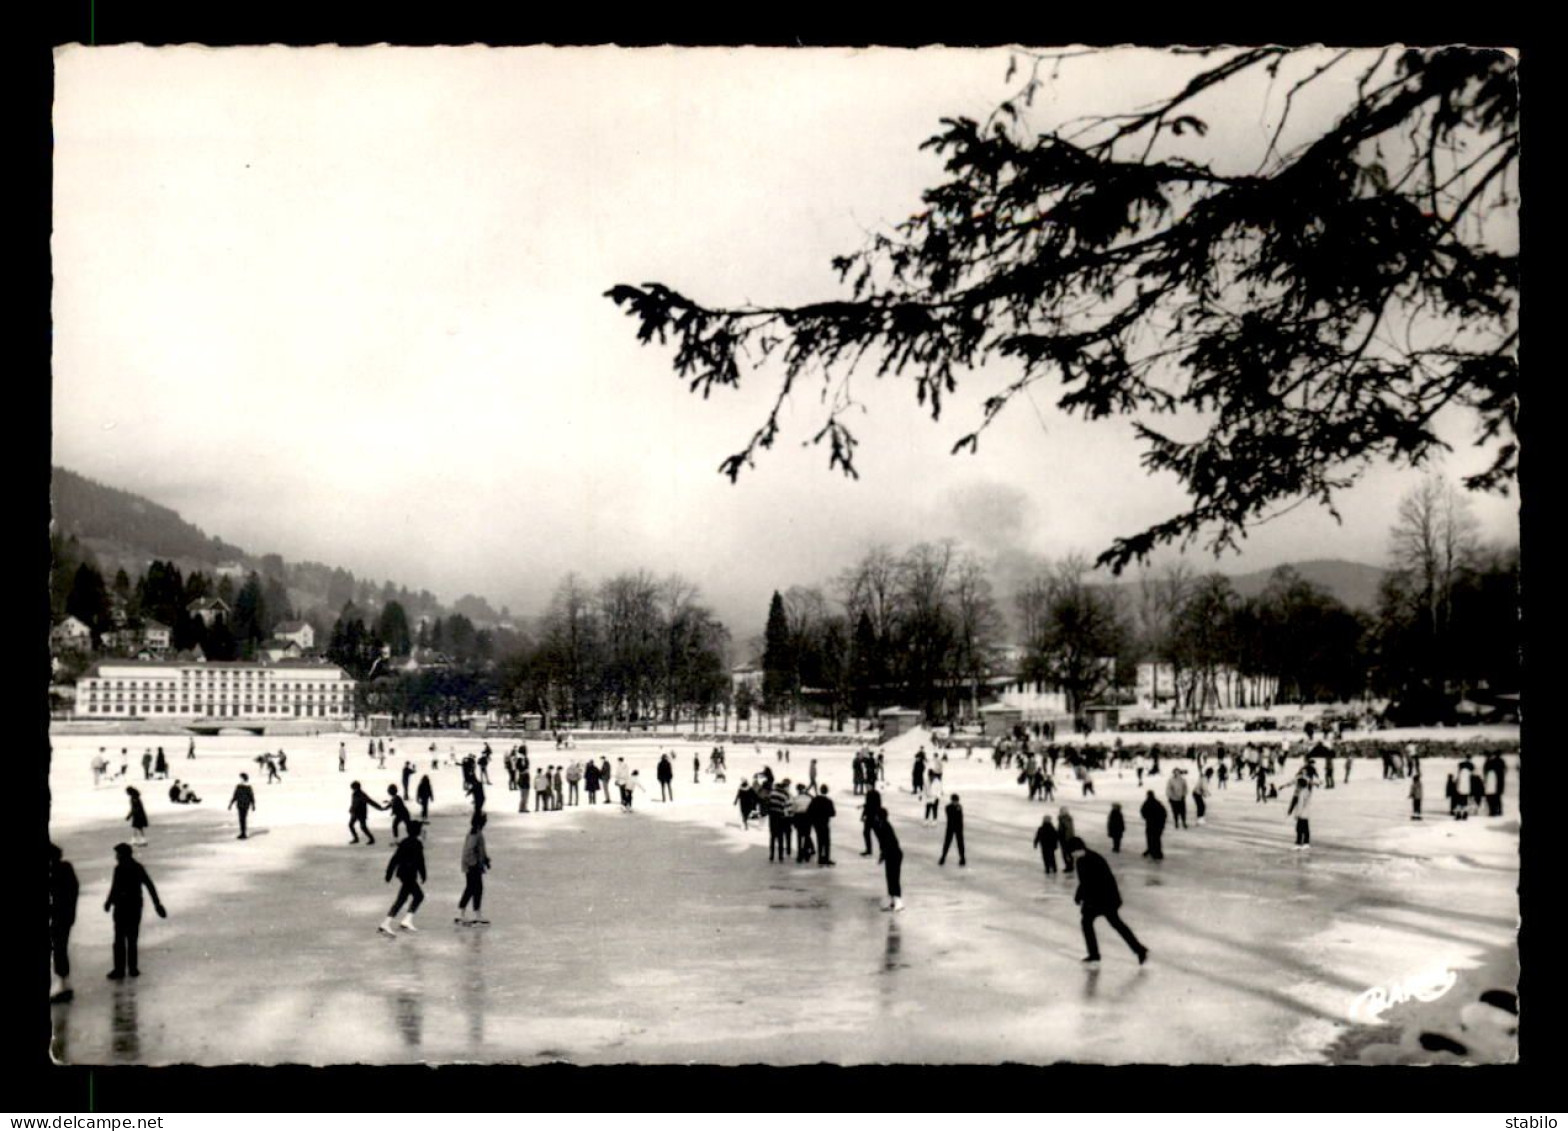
[632,649]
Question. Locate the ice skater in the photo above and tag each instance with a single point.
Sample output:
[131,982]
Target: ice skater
[665,773]
[1116,826]
[591,782]
[425,794]
[1065,830]
[63,892]
[137,817]
[1099,897]
[359,804]
[778,821]
[868,812]
[696,770]
[1176,794]
[1153,814]
[1200,796]
[125,902]
[476,862]
[821,813]
[891,857]
[1301,805]
[342,757]
[244,800]
[799,817]
[933,798]
[1045,839]
[1415,796]
[955,832]
[745,797]
[408,864]
[399,810]
[408,776]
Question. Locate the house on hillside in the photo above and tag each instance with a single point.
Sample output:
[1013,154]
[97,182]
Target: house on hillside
[747,675]
[156,636]
[280,648]
[210,610]
[234,570]
[71,633]
[298,631]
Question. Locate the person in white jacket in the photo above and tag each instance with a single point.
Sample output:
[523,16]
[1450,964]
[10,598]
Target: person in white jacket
[1301,807]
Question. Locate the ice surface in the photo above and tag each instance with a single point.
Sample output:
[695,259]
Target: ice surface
[666,935]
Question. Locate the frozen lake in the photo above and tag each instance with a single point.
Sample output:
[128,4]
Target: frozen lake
[666,936]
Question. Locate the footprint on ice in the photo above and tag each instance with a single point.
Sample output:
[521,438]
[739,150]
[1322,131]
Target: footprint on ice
[1436,1042]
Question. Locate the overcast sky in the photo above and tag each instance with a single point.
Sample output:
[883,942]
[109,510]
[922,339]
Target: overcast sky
[347,305]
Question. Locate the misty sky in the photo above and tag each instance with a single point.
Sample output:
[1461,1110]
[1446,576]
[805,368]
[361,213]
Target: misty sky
[347,305]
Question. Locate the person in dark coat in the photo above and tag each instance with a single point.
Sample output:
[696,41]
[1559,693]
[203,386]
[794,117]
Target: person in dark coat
[1046,839]
[408,776]
[1153,825]
[591,781]
[147,766]
[160,765]
[605,778]
[137,816]
[125,902]
[399,809]
[665,772]
[745,797]
[244,800]
[1065,830]
[1116,826]
[955,831]
[1494,773]
[425,794]
[821,812]
[1099,897]
[408,865]
[359,804]
[891,857]
[476,793]
[868,812]
[63,892]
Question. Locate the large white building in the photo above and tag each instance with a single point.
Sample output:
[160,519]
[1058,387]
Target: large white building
[193,689]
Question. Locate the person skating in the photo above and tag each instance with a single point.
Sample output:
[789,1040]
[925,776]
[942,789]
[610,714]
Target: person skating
[623,781]
[1494,771]
[868,811]
[1116,826]
[821,812]
[665,773]
[147,766]
[1301,805]
[359,804]
[633,788]
[137,817]
[591,782]
[1099,897]
[476,794]
[1415,796]
[745,797]
[933,798]
[954,833]
[342,758]
[558,789]
[125,903]
[63,892]
[1045,839]
[696,769]
[425,794]
[604,778]
[160,765]
[1200,797]
[190,751]
[1153,814]
[574,776]
[408,864]
[244,800]
[476,862]
[891,857]
[812,774]
[918,774]
[408,776]
[1065,830]
[399,809]
[778,801]
[1176,794]
[800,820]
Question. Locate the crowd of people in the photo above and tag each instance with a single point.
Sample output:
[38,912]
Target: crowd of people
[799,815]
